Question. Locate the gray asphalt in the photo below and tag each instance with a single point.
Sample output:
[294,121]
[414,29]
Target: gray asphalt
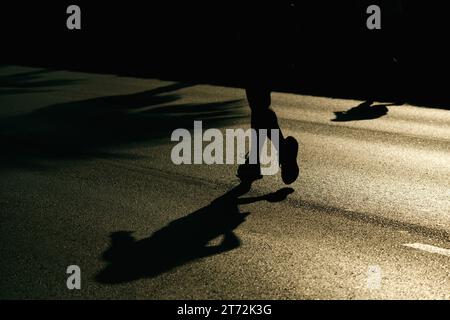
[88,155]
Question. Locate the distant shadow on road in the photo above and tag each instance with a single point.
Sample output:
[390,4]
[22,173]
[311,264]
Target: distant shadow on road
[365,111]
[183,240]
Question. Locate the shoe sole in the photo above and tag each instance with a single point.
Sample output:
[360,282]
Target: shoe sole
[289,168]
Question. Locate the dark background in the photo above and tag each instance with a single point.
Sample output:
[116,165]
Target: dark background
[326,42]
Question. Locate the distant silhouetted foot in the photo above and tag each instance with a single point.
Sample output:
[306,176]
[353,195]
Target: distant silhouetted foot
[249,172]
[288,161]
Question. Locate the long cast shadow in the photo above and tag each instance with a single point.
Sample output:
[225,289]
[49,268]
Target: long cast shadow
[30,82]
[181,241]
[93,127]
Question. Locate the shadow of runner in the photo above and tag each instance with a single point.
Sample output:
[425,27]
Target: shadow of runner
[364,111]
[93,127]
[181,241]
[30,82]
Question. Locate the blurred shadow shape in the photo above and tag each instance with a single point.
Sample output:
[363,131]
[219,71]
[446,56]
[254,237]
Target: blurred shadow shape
[91,127]
[181,241]
[30,82]
[364,111]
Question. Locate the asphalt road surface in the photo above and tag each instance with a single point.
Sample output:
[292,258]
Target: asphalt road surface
[87,180]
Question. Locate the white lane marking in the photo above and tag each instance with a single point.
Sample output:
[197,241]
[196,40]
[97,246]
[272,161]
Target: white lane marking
[428,248]
[374,277]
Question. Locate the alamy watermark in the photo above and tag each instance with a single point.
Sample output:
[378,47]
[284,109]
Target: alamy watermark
[374,277]
[74,279]
[238,143]
[73,21]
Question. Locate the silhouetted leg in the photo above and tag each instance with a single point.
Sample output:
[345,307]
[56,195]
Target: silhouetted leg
[263,117]
[258,97]
[261,70]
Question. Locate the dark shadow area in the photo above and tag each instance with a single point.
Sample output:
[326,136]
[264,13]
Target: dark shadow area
[29,82]
[327,43]
[91,127]
[365,111]
[181,241]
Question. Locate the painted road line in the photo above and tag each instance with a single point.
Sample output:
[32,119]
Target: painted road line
[429,248]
